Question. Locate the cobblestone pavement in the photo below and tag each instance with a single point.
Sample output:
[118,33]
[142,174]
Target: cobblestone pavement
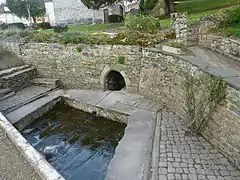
[185,156]
[13,166]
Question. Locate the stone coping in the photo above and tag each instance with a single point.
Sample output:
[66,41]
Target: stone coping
[232,79]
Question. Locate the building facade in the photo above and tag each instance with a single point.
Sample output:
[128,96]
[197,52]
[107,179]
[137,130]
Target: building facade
[7,17]
[75,12]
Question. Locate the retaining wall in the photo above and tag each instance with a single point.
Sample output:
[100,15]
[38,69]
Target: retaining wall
[152,73]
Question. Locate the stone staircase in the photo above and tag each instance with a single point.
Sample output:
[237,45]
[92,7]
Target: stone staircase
[15,79]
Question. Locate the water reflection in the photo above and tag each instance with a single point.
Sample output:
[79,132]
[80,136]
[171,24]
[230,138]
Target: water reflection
[78,144]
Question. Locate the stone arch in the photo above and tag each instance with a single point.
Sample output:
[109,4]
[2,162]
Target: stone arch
[105,73]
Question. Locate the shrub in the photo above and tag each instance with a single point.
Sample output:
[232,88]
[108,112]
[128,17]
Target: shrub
[232,17]
[142,23]
[203,94]
[115,18]
[44,25]
[16,25]
[24,33]
[79,49]
[73,38]
[12,26]
[3,26]
[60,28]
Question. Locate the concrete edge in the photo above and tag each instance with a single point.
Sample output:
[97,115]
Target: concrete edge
[92,108]
[132,159]
[42,167]
[36,113]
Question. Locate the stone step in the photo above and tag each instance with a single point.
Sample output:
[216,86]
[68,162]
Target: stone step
[22,96]
[18,79]
[13,70]
[3,92]
[6,93]
[29,111]
[47,82]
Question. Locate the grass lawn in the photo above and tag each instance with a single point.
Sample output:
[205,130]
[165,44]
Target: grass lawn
[90,28]
[95,27]
[202,5]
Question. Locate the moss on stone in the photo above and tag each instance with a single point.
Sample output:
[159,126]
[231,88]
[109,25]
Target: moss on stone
[121,60]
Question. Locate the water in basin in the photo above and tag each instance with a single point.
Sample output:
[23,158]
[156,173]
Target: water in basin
[78,144]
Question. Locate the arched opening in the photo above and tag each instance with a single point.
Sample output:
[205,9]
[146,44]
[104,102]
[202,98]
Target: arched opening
[114,81]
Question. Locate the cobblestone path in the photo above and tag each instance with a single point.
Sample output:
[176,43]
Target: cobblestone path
[184,156]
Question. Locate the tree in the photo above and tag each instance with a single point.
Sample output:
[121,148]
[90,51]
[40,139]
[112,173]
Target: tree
[20,8]
[169,6]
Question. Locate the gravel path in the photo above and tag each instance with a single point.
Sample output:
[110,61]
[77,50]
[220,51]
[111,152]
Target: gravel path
[13,166]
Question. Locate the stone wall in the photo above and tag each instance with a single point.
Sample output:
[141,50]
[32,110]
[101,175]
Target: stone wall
[161,79]
[179,25]
[192,33]
[152,73]
[86,69]
[226,46]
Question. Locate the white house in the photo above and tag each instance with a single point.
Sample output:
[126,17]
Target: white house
[50,14]
[75,12]
[7,17]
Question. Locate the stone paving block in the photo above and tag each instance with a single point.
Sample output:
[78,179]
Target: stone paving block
[162,177]
[190,156]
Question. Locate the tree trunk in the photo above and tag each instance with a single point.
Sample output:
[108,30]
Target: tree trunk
[169,6]
[34,20]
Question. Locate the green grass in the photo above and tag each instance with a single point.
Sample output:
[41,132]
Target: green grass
[227,32]
[94,28]
[202,5]
[85,29]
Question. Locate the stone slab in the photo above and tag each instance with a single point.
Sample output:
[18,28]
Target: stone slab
[132,155]
[22,96]
[24,111]
[86,96]
[134,101]
[216,64]
[171,49]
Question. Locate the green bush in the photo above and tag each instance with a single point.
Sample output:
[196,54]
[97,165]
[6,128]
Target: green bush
[79,49]
[115,18]
[12,26]
[44,25]
[16,25]
[232,17]
[3,26]
[60,28]
[72,37]
[142,23]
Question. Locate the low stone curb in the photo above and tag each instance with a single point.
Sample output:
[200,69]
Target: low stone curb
[43,168]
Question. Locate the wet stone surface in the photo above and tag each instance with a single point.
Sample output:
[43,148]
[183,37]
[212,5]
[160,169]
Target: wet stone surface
[77,144]
[186,156]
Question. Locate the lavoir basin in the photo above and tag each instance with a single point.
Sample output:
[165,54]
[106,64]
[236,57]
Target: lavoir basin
[79,145]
